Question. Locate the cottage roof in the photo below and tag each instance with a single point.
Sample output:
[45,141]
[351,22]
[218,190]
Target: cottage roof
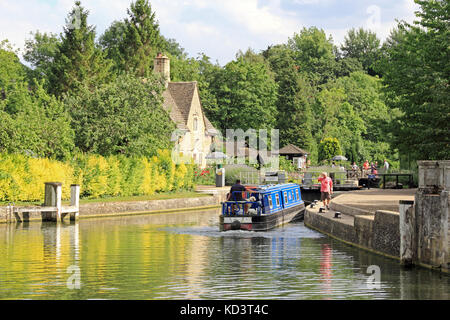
[292,149]
[178,99]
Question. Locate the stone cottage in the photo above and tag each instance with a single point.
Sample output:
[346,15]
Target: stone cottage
[195,135]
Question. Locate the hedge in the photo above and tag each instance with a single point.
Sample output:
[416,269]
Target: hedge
[22,178]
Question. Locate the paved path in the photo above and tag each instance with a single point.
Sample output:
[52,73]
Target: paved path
[375,199]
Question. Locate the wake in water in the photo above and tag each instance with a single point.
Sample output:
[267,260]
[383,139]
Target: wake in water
[292,230]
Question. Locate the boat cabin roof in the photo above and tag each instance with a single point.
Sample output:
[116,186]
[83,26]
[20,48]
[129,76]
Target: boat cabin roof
[276,187]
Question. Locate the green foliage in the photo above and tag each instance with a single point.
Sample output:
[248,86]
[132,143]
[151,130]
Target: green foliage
[328,148]
[121,117]
[79,63]
[416,72]
[286,165]
[362,45]
[11,70]
[140,42]
[246,94]
[294,99]
[314,54]
[40,52]
[34,122]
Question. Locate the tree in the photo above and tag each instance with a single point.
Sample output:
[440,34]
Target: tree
[35,123]
[337,118]
[416,75]
[314,54]
[122,117]
[246,95]
[40,52]
[141,39]
[79,62]
[294,99]
[362,45]
[11,70]
[328,148]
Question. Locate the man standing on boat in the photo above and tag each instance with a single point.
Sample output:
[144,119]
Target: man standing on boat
[326,189]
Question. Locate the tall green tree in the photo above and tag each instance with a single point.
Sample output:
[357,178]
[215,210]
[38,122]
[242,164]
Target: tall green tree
[314,54]
[364,46]
[141,39]
[11,70]
[124,116]
[294,99]
[79,62]
[40,52]
[416,73]
[246,96]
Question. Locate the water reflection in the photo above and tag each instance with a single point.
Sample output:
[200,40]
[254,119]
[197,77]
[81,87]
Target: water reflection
[184,256]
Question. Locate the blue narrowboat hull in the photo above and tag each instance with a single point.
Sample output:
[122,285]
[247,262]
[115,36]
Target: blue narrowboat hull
[278,205]
[262,222]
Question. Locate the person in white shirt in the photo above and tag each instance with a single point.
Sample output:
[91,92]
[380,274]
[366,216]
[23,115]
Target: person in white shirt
[386,166]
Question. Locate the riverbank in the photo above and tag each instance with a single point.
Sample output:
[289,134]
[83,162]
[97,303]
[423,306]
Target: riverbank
[203,198]
[369,219]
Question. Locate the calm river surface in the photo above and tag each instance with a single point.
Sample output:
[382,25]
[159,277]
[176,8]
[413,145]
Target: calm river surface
[184,256]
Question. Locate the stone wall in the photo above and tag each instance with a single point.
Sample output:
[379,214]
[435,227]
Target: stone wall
[99,209]
[378,233]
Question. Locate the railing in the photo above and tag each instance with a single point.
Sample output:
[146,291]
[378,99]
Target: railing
[233,207]
[251,177]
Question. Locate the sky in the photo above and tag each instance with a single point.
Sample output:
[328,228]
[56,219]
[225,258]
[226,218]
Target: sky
[217,28]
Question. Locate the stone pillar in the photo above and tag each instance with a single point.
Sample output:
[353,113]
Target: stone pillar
[53,194]
[432,227]
[74,201]
[408,239]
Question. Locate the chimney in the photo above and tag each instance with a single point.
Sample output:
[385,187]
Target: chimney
[162,66]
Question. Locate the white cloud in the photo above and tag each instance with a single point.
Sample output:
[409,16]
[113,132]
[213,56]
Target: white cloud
[219,28]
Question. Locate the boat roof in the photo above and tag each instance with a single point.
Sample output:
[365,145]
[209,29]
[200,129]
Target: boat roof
[276,187]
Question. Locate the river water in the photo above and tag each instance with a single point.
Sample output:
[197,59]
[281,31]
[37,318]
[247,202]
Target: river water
[184,256]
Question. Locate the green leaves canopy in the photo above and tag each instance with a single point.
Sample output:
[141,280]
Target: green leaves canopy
[121,117]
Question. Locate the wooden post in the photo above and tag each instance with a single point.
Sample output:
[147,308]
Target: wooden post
[53,194]
[408,240]
[75,201]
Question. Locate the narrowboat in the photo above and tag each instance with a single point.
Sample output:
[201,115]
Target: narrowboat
[264,208]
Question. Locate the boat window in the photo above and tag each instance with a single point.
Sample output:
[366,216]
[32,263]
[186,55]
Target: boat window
[277,198]
[270,201]
[285,197]
[296,193]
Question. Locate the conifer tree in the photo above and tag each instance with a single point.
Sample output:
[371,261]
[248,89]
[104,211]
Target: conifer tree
[79,61]
[141,39]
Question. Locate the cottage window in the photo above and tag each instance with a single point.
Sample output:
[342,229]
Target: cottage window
[195,124]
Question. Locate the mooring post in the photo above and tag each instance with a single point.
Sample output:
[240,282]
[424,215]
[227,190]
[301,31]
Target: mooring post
[53,195]
[408,239]
[75,201]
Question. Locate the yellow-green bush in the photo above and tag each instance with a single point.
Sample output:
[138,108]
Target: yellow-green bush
[22,178]
[114,176]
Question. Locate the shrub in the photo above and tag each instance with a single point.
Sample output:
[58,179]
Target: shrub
[22,177]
